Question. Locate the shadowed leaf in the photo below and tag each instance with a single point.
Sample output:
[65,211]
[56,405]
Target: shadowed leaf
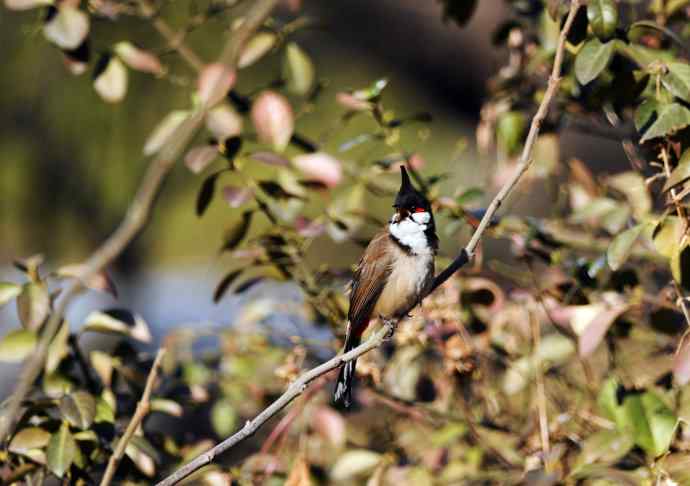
[205,195]
[226,282]
[79,409]
[621,246]
[681,172]
[238,232]
[603,18]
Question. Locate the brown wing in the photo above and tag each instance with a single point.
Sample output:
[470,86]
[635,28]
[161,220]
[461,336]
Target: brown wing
[368,282]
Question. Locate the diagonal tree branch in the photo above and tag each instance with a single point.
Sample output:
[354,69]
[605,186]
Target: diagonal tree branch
[135,219]
[297,387]
[143,407]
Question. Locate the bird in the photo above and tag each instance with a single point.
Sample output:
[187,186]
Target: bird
[394,273]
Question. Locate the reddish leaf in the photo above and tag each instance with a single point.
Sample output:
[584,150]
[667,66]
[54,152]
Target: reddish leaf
[214,82]
[273,119]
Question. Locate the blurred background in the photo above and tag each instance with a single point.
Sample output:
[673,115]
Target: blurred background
[71,162]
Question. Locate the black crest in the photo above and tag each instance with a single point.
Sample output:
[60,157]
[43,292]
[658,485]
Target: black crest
[408,197]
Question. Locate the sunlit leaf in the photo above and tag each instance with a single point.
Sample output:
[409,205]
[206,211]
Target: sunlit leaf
[79,409]
[138,59]
[273,119]
[9,291]
[17,345]
[299,474]
[58,348]
[671,118]
[67,27]
[214,82]
[102,364]
[224,122]
[198,158]
[298,70]
[104,410]
[62,449]
[603,18]
[111,82]
[320,166]
[167,406]
[353,463]
[372,91]
[100,281]
[26,4]
[223,418]
[605,446]
[621,246]
[668,235]
[592,60]
[142,455]
[161,134]
[256,48]
[29,442]
[33,305]
[118,321]
[632,185]
[680,173]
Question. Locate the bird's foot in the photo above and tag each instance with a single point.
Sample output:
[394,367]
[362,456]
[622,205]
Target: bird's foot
[390,324]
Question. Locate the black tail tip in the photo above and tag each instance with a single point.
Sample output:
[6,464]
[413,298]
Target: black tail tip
[342,396]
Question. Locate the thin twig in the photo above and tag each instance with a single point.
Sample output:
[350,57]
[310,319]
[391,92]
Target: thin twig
[300,385]
[141,411]
[541,395]
[135,219]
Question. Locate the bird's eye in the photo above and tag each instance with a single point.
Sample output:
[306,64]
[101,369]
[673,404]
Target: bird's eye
[418,210]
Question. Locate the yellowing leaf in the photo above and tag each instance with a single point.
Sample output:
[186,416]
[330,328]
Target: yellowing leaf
[298,70]
[353,463]
[33,305]
[256,48]
[161,134]
[79,409]
[621,246]
[680,173]
[9,291]
[17,345]
[62,449]
[68,28]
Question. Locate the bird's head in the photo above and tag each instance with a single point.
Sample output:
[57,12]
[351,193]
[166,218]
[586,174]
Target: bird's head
[413,215]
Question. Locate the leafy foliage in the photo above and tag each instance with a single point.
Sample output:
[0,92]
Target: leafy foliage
[565,359]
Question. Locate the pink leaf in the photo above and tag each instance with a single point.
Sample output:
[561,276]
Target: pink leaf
[330,425]
[273,119]
[681,363]
[308,228]
[198,158]
[596,329]
[214,82]
[138,59]
[352,103]
[320,166]
[237,196]
[270,158]
[25,4]
[224,122]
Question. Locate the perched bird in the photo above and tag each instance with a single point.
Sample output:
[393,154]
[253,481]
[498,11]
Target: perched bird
[394,273]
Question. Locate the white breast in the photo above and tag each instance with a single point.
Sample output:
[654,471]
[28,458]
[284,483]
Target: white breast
[410,231]
[410,272]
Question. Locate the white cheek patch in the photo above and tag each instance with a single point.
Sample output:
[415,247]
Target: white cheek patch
[421,218]
[411,233]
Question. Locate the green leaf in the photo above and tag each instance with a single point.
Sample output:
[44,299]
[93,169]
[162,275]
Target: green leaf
[621,246]
[58,348]
[33,305]
[510,130]
[62,450]
[671,118]
[668,235]
[223,418]
[680,173]
[603,18]
[104,412]
[609,405]
[677,80]
[632,185]
[592,60]
[644,113]
[298,70]
[9,291]
[654,424]
[604,446]
[17,345]
[79,409]
[118,321]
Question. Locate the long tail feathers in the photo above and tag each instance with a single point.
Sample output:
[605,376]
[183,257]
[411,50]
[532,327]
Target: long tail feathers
[343,385]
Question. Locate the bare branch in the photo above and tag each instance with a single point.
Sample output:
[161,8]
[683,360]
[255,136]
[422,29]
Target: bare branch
[141,411]
[300,385]
[135,219]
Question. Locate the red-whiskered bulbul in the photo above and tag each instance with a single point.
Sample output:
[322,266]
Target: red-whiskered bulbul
[394,273]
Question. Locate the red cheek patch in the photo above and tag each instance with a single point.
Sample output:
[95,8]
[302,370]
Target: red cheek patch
[419,210]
